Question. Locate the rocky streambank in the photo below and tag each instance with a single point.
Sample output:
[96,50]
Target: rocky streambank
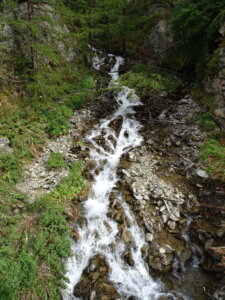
[167,188]
[171,195]
[174,199]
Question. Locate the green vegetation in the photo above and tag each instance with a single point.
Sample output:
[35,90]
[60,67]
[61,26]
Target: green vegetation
[10,167]
[145,80]
[197,24]
[213,153]
[118,26]
[35,240]
[213,149]
[56,161]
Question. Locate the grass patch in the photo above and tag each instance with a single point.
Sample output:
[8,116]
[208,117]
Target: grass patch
[213,149]
[10,167]
[213,154]
[56,160]
[35,240]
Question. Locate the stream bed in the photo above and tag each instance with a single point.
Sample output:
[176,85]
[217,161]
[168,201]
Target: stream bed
[114,257]
[100,235]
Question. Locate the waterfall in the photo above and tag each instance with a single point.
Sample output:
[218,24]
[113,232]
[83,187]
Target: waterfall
[101,234]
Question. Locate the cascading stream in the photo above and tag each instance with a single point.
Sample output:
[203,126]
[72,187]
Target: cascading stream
[100,235]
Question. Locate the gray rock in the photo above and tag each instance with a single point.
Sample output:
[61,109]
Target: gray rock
[92,267]
[162,251]
[4,145]
[162,208]
[202,174]
[171,225]
[168,249]
[126,173]
[149,227]
[173,218]
[126,235]
[149,237]
[164,218]
[34,184]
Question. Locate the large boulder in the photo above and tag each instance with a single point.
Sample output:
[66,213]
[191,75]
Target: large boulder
[35,25]
[159,39]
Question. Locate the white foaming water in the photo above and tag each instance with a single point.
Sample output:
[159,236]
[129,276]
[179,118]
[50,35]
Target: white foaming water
[100,235]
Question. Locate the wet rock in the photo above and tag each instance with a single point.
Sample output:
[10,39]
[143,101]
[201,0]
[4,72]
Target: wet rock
[106,289]
[208,243]
[128,258]
[126,235]
[153,247]
[157,266]
[184,255]
[92,267]
[116,124]
[126,173]
[82,287]
[95,275]
[149,237]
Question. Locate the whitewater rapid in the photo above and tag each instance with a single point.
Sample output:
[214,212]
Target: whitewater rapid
[101,234]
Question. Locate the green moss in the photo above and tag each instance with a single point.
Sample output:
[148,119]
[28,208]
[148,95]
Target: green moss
[145,80]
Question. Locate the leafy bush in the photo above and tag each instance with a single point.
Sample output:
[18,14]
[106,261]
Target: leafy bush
[56,161]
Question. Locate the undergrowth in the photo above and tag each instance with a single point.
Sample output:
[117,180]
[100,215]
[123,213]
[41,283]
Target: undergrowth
[56,160]
[35,239]
[145,80]
[213,149]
